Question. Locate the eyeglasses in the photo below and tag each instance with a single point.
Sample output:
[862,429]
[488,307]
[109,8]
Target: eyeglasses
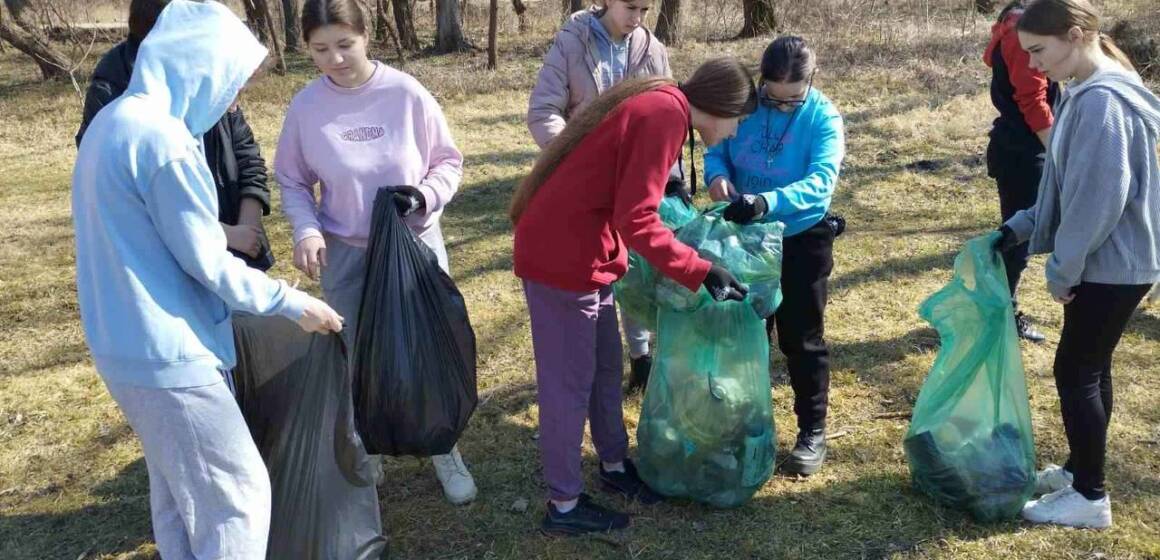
[793,103]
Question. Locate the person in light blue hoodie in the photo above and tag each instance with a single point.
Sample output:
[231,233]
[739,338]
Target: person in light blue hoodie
[156,284]
[783,166]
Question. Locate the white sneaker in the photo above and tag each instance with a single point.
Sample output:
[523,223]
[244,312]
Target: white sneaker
[1070,508]
[458,485]
[1052,478]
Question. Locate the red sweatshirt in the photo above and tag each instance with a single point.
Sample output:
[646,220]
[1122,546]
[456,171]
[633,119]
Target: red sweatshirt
[604,195]
[1031,88]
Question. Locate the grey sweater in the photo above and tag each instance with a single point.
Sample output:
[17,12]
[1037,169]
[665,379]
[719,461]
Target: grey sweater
[1098,209]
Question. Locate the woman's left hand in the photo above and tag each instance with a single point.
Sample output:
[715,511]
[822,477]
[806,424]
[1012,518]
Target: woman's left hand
[1064,300]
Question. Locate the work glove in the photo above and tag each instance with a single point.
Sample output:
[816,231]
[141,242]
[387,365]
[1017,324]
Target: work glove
[723,286]
[1006,241]
[746,209]
[408,200]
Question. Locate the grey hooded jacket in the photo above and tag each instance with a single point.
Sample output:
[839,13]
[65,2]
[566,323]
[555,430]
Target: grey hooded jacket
[1098,208]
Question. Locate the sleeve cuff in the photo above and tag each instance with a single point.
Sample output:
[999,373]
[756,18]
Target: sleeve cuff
[1058,290]
[294,303]
[305,232]
[1022,224]
[261,197]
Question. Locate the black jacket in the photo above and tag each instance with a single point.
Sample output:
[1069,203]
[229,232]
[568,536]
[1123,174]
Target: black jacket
[230,149]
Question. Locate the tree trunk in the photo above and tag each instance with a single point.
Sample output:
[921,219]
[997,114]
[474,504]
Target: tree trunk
[266,16]
[256,20]
[291,24]
[760,18]
[492,35]
[405,24]
[669,22]
[448,31]
[520,9]
[52,64]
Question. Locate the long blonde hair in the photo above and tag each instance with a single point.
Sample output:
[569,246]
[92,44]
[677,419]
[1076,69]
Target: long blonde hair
[721,87]
[1056,17]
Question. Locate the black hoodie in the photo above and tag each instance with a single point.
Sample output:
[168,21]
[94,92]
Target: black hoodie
[230,149]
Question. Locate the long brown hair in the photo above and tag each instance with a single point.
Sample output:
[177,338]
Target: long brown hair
[721,87]
[318,13]
[1056,17]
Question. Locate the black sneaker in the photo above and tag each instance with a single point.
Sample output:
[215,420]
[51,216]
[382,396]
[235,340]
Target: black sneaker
[628,484]
[808,454]
[1026,330]
[639,369]
[586,517]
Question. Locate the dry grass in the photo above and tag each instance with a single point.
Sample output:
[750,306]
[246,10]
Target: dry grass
[73,485]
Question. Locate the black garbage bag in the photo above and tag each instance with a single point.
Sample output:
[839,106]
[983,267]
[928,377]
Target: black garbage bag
[414,350]
[294,389]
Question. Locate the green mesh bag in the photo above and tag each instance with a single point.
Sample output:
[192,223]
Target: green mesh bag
[636,290]
[706,429]
[970,445]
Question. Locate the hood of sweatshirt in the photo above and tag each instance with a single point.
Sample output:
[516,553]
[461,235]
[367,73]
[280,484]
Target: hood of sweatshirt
[1129,88]
[196,60]
[580,25]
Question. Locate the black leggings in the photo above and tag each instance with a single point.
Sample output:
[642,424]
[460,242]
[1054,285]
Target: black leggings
[1092,326]
[1017,176]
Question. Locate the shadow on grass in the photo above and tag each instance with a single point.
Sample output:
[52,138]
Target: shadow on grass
[118,524]
[892,269]
[1146,322]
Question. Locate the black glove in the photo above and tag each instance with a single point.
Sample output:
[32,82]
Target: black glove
[408,200]
[1007,240]
[677,188]
[723,286]
[746,209]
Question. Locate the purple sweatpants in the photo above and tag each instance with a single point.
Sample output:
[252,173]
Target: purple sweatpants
[579,366]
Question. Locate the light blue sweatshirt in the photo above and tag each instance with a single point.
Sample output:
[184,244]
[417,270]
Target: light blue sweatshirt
[612,65]
[798,181]
[154,279]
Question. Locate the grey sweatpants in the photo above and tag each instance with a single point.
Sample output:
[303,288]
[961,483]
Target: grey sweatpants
[209,492]
[345,273]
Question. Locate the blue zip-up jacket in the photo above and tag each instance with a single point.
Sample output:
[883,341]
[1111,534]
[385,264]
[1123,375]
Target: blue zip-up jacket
[154,279]
[798,181]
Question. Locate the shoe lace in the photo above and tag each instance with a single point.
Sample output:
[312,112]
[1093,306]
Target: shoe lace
[452,462]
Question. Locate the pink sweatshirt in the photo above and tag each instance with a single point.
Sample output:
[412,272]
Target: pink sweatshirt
[387,132]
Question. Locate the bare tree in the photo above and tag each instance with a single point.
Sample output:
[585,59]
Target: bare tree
[405,24]
[760,18]
[448,31]
[520,9]
[669,22]
[272,32]
[27,39]
[291,24]
[256,19]
[492,33]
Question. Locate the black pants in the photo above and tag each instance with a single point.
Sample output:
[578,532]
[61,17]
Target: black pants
[1017,175]
[807,260]
[1092,325]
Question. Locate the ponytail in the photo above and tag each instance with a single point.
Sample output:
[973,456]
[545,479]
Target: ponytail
[1112,51]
